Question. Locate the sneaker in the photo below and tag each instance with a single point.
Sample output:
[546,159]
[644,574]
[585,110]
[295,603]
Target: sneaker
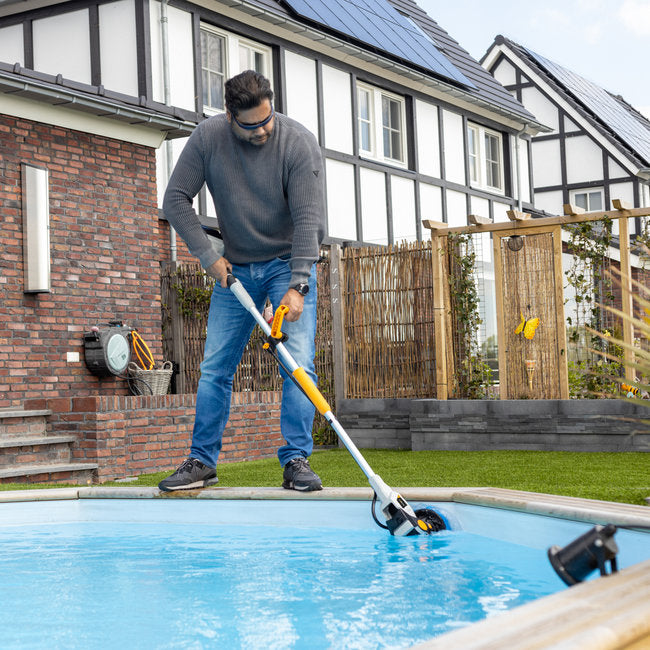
[298,475]
[192,473]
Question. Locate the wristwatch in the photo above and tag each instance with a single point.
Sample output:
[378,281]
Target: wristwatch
[302,288]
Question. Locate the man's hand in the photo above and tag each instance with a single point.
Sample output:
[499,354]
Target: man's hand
[295,302]
[219,270]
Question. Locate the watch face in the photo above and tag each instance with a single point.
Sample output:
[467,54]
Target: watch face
[117,353]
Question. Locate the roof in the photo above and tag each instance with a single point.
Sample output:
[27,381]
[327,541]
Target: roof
[611,114]
[96,100]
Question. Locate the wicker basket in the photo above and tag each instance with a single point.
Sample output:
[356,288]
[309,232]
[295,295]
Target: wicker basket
[150,382]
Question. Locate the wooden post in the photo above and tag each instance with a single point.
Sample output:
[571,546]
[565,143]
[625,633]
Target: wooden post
[440,307]
[626,292]
[560,323]
[339,352]
[501,320]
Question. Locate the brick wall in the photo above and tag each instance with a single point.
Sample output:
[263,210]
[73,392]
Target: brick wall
[104,257]
[128,435]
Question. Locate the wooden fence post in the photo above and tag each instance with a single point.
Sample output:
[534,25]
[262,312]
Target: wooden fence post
[338,325]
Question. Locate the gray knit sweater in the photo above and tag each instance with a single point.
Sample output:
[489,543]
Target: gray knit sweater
[269,198]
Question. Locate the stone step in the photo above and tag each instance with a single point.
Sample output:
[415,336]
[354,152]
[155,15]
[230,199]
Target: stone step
[50,473]
[29,441]
[32,450]
[17,422]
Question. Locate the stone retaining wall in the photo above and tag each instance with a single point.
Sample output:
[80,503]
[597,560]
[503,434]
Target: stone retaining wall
[472,425]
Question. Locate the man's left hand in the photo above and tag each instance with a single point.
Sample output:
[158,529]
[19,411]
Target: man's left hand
[295,302]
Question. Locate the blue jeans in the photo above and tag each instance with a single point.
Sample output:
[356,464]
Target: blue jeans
[229,329]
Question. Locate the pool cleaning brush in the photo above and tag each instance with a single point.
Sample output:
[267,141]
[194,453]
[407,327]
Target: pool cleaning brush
[400,517]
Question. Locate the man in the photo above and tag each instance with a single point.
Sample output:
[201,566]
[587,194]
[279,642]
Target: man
[264,172]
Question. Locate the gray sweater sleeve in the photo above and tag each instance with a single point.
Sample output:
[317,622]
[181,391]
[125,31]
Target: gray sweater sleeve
[184,184]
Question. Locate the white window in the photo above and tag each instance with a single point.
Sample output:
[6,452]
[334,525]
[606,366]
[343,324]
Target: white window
[485,151]
[224,55]
[381,120]
[588,200]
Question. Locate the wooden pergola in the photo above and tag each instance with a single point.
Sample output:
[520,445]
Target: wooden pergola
[522,225]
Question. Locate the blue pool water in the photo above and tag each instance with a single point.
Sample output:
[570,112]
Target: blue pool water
[263,574]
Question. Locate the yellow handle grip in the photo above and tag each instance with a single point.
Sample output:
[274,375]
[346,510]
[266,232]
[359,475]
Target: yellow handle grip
[276,327]
[315,396]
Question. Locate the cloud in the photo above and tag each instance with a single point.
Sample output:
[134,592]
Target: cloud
[635,15]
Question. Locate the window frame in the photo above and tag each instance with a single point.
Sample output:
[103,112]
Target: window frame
[478,160]
[232,61]
[587,191]
[377,127]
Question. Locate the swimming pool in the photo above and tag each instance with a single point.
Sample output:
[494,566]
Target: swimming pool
[170,573]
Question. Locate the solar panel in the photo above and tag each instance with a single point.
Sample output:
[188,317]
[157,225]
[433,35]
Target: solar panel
[377,23]
[602,104]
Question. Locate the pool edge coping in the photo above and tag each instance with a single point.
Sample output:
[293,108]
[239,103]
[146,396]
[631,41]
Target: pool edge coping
[599,614]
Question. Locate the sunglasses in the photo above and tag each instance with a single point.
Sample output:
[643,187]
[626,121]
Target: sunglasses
[252,127]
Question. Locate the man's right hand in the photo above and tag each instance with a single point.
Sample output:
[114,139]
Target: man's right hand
[219,270]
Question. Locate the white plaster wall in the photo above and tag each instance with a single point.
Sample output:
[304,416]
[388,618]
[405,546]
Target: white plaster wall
[11,44]
[403,206]
[479,206]
[373,206]
[337,109]
[500,211]
[584,160]
[117,47]
[341,212]
[430,202]
[504,73]
[62,45]
[550,202]
[570,126]
[540,107]
[302,98]
[456,208]
[546,163]
[454,147]
[625,192]
[524,176]
[181,54]
[615,170]
[428,138]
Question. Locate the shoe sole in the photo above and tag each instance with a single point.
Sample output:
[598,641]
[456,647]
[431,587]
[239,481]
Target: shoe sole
[290,485]
[189,486]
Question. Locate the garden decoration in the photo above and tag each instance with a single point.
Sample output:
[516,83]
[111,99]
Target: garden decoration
[530,371]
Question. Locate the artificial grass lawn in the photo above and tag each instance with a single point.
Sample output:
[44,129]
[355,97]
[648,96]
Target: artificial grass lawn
[621,476]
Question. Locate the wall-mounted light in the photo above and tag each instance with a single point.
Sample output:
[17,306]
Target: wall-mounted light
[585,554]
[36,229]
[515,243]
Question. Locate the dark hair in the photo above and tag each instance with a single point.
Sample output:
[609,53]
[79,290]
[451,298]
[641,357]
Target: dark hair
[247,90]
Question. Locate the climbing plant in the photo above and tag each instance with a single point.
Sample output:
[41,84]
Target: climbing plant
[472,374]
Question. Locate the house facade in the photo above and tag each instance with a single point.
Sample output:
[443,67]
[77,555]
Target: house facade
[97,99]
[599,146]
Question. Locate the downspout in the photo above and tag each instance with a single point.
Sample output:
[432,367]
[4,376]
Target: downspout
[169,156]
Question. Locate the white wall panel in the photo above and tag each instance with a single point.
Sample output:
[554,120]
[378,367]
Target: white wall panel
[584,160]
[479,206]
[504,73]
[62,45]
[341,212]
[373,206]
[428,138]
[302,97]
[337,109]
[615,170]
[569,125]
[546,163]
[456,208]
[454,146]
[11,44]
[550,202]
[540,107]
[500,211]
[430,202]
[181,55]
[625,192]
[117,47]
[403,206]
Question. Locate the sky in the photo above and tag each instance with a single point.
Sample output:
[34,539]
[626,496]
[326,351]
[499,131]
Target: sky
[605,41]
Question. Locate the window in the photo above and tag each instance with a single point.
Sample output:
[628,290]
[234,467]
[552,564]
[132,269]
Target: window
[588,200]
[224,55]
[484,148]
[381,138]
